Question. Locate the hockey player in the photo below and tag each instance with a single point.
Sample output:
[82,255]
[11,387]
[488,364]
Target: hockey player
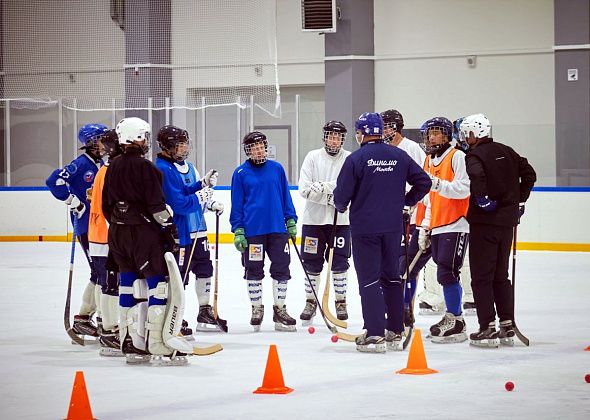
[108,278]
[72,185]
[133,202]
[317,181]
[373,182]
[500,180]
[393,124]
[187,194]
[445,228]
[262,219]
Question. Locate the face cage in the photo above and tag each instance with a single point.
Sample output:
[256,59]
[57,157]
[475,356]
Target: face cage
[333,149]
[176,155]
[248,150]
[388,139]
[433,148]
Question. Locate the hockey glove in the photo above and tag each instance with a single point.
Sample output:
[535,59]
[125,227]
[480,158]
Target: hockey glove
[484,203]
[76,206]
[171,241]
[318,187]
[424,239]
[292,228]
[215,206]
[210,179]
[204,195]
[407,214]
[330,199]
[240,241]
[436,183]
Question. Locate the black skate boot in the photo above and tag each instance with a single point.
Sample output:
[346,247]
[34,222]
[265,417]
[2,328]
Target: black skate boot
[485,337]
[372,344]
[282,320]
[83,325]
[308,312]
[450,329]
[186,331]
[506,333]
[469,308]
[341,312]
[426,309]
[110,344]
[257,316]
[134,355]
[206,320]
[393,341]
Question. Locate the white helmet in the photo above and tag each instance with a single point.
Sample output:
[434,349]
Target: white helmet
[478,124]
[133,129]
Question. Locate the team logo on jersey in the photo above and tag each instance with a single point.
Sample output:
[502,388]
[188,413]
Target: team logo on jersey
[382,165]
[310,245]
[255,252]
[89,176]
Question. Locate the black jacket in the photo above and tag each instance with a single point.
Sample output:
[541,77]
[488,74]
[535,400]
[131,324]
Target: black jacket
[132,190]
[497,171]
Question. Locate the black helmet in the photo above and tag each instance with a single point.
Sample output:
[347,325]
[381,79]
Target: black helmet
[169,137]
[335,127]
[392,118]
[110,140]
[250,140]
[331,128]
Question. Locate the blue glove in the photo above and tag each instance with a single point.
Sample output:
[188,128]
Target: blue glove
[484,203]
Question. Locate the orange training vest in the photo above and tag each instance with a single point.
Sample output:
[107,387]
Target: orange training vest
[97,226]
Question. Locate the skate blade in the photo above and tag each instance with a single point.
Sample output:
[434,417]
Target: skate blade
[138,359]
[487,343]
[284,328]
[469,312]
[372,348]
[87,341]
[394,346]
[455,338]
[205,327]
[507,341]
[307,322]
[429,312]
[159,360]
[110,352]
[256,328]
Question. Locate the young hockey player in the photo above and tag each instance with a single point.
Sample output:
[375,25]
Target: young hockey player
[72,185]
[140,226]
[108,277]
[262,219]
[317,181]
[444,228]
[500,180]
[373,182]
[187,195]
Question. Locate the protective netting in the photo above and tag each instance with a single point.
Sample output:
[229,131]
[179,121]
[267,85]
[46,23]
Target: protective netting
[140,54]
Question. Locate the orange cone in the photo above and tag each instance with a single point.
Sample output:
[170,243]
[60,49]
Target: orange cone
[273,382]
[587,348]
[79,403]
[417,358]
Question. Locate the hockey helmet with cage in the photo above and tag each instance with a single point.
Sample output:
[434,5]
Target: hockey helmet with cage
[133,130]
[110,140]
[89,135]
[457,134]
[478,124]
[331,129]
[255,153]
[392,118]
[441,125]
[175,141]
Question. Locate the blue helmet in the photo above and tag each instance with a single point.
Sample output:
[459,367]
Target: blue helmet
[442,124]
[370,124]
[457,134]
[90,133]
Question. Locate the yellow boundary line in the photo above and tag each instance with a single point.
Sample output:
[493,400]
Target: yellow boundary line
[228,238]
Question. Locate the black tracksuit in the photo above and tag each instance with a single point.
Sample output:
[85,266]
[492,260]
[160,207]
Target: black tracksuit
[496,171]
[132,193]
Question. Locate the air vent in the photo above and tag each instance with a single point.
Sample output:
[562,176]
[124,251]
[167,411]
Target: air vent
[318,15]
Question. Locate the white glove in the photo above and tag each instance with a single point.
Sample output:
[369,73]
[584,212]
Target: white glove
[204,195]
[436,183]
[424,238]
[215,206]
[210,179]
[318,187]
[76,206]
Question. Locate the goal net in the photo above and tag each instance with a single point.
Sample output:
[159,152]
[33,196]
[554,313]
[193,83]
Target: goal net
[139,54]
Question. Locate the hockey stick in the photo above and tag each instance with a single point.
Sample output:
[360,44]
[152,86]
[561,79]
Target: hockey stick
[520,335]
[332,328]
[406,279]
[326,296]
[75,338]
[216,278]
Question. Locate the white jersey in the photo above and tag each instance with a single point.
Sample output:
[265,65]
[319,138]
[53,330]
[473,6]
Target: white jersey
[417,154]
[320,166]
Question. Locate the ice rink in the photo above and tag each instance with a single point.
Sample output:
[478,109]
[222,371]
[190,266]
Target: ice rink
[331,380]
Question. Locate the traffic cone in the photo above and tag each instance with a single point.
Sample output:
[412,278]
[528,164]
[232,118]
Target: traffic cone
[273,382]
[417,358]
[79,403]
[587,348]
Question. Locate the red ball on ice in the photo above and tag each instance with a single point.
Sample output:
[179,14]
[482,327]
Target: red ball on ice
[334,339]
[509,386]
[311,330]
[587,378]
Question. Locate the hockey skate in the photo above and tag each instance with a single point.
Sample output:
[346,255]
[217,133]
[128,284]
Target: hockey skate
[372,344]
[393,341]
[257,316]
[186,331]
[206,322]
[469,308]
[341,312]
[308,312]
[134,355]
[110,344]
[485,338]
[83,326]
[506,333]
[425,309]
[450,329]
[282,320]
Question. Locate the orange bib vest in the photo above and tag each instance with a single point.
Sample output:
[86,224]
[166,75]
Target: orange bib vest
[97,225]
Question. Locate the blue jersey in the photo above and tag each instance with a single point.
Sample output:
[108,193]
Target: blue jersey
[76,178]
[179,185]
[260,199]
[373,179]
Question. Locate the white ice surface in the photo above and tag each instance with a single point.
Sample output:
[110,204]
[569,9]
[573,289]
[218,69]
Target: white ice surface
[38,363]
